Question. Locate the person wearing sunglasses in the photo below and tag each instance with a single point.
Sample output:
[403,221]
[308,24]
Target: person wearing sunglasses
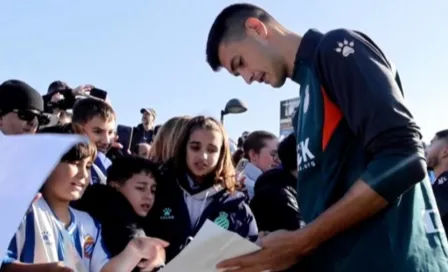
[21,108]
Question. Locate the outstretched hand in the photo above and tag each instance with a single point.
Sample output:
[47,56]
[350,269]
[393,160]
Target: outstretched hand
[152,252]
[280,250]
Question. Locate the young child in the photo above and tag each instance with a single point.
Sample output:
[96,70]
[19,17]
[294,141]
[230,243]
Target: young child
[198,184]
[121,205]
[96,119]
[55,237]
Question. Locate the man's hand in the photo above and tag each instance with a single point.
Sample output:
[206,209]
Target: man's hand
[56,98]
[280,250]
[82,90]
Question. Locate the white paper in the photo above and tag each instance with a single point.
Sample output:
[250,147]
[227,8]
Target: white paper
[25,163]
[211,245]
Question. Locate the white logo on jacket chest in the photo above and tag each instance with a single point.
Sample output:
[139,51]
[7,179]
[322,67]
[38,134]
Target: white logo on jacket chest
[346,48]
[306,99]
[305,158]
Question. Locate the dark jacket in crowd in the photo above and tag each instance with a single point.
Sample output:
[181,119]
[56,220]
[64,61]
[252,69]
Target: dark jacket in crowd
[170,219]
[58,129]
[274,204]
[139,135]
[440,188]
[119,223]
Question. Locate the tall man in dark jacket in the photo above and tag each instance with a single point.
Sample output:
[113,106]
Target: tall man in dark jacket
[363,189]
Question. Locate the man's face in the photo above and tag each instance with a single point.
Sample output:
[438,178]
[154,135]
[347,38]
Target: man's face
[19,122]
[147,120]
[254,58]
[101,132]
[436,152]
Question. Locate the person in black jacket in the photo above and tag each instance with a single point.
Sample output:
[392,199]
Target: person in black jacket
[121,205]
[198,185]
[437,159]
[144,132]
[274,203]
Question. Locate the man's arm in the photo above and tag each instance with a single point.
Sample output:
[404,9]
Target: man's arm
[364,86]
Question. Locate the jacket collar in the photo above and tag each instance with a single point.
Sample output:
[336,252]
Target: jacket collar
[306,52]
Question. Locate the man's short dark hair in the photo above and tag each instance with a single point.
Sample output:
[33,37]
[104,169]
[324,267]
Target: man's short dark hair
[287,152]
[443,134]
[229,25]
[86,109]
[123,168]
[256,141]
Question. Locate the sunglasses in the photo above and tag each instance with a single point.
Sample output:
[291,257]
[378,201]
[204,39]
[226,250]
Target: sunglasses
[28,116]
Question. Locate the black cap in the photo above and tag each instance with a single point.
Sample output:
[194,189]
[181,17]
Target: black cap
[56,86]
[18,95]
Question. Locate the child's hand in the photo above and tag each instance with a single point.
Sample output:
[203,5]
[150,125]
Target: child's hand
[151,250]
[58,267]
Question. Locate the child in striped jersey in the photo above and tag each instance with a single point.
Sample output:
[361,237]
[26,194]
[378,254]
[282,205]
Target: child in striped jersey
[55,237]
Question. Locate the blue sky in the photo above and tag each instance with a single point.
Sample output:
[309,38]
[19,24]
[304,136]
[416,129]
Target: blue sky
[152,54]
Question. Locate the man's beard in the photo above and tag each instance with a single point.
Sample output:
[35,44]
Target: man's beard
[432,163]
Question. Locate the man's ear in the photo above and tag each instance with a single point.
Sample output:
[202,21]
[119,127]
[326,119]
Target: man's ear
[445,151]
[256,28]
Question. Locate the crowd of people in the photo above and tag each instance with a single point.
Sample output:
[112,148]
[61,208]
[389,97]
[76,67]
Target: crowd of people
[133,197]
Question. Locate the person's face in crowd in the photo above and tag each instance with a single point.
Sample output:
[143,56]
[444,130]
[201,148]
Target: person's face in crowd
[101,132]
[139,190]
[143,150]
[68,180]
[255,58]
[147,120]
[267,158]
[19,122]
[436,152]
[203,149]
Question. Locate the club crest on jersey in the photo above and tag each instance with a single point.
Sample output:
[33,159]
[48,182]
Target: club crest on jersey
[89,243]
[46,238]
[222,220]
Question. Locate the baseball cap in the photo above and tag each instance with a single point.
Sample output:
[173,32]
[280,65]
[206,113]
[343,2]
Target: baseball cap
[18,95]
[149,110]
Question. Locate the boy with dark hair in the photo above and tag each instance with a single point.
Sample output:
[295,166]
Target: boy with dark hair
[121,204]
[96,119]
[56,237]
